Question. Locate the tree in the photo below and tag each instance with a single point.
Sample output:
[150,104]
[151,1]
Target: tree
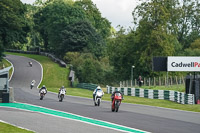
[195,44]
[181,17]
[189,22]
[1,50]
[102,25]
[89,69]
[53,17]
[194,49]
[153,34]
[34,38]
[81,36]
[89,72]
[13,25]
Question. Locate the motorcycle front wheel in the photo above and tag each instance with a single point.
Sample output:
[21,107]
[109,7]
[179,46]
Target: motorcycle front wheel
[117,106]
[112,108]
[61,98]
[95,103]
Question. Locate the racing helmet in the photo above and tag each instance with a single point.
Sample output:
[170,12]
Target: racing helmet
[98,87]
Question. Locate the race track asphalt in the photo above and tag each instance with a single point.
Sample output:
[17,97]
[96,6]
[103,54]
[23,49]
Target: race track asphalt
[148,118]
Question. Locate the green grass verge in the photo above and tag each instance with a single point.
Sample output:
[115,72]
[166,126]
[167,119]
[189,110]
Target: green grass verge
[54,76]
[54,81]
[6,64]
[7,128]
[136,100]
[180,88]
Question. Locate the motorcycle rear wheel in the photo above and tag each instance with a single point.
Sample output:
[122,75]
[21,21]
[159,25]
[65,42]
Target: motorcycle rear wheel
[41,97]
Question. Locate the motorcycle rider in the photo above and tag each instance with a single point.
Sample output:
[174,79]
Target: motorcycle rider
[32,83]
[43,87]
[113,95]
[30,63]
[95,91]
[60,90]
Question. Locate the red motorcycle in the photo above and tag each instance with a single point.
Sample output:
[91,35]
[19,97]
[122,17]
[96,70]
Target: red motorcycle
[116,102]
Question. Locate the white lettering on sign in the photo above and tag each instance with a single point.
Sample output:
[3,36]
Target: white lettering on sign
[183,63]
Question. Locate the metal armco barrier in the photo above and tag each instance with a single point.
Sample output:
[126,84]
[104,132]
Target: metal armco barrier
[88,86]
[62,63]
[179,97]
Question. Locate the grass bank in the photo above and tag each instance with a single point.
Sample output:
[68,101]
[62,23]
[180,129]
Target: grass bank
[180,88]
[7,128]
[5,63]
[55,76]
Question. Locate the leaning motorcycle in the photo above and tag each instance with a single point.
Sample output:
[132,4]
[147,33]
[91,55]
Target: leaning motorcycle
[61,95]
[32,85]
[30,64]
[42,94]
[97,98]
[116,102]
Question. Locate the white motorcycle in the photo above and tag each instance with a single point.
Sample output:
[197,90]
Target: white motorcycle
[61,95]
[32,84]
[97,98]
[30,64]
[42,93]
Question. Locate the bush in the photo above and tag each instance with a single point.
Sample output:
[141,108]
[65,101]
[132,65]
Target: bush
[89,69]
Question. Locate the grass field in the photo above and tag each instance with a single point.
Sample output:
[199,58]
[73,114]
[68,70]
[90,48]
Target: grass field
[54,81]
[180,88]
[5,63]
[7,128]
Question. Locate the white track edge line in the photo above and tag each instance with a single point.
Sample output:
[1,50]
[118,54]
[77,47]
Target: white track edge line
[12,67]
[41,71]
[35,61]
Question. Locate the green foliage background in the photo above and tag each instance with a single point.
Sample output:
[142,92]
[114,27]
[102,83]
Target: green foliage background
[76,32]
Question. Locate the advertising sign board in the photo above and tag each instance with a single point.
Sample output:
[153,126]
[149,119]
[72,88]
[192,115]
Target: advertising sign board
[183,63]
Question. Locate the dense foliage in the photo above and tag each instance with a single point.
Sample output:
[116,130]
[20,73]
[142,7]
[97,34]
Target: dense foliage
[89,69]
[76,32]
[13,25]
[81,36]
[161,28]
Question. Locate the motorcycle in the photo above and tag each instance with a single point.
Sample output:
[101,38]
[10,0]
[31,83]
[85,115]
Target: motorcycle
[116,102]
[97,98]
[30,64]
[61,95]
[32,85]
[42,94]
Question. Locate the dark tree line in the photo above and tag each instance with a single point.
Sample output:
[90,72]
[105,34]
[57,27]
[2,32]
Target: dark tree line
[13,24]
